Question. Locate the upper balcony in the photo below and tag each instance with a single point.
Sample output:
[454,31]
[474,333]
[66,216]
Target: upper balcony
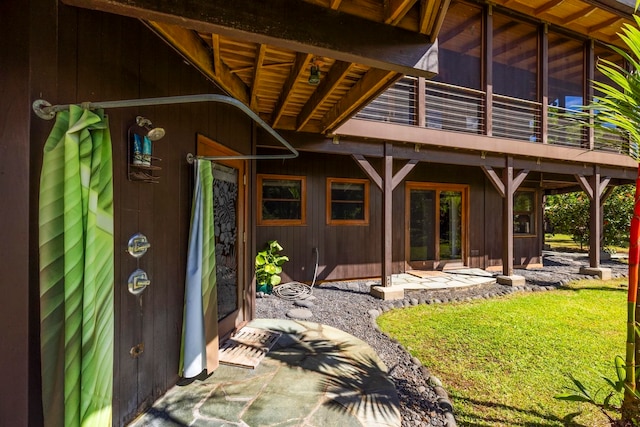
[506,84]
[448,108]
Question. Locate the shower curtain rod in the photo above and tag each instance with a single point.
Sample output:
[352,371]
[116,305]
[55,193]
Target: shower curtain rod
[45,110]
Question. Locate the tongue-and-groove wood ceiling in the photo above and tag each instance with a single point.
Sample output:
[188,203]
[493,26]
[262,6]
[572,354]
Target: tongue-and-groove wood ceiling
[261,52]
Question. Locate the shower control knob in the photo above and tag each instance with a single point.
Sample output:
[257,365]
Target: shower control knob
[138,245]
[138,281]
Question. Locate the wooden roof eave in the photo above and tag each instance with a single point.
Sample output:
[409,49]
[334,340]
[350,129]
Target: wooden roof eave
[289,24]
[368,87]
[190,46]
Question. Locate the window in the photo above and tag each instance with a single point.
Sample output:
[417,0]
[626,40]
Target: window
[282,200]
[347,201]
[524,212]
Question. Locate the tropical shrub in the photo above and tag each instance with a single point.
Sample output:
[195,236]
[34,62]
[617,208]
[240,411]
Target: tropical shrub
[569,214]
[268,265]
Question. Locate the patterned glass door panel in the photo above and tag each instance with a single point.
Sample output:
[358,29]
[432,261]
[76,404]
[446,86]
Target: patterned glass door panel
[225,220]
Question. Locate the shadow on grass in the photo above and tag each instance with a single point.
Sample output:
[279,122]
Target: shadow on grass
[592,288]
[546,420]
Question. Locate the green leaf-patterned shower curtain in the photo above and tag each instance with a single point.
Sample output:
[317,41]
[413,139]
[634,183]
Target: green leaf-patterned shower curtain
[77,271]
[200,327]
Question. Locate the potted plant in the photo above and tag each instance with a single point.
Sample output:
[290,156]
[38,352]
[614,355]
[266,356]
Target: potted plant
[269,266]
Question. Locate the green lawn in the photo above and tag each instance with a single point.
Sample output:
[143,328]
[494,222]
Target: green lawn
[503,360]
[560,242]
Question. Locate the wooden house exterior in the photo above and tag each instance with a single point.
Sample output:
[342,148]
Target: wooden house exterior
[429,142]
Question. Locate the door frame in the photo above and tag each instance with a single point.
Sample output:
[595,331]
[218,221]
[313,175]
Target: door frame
[437,263]
[209,147]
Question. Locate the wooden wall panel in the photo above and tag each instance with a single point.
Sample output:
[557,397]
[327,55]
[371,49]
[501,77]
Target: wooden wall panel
[344,251]
[105,57]
[16,346]
[354,251]
[493,226]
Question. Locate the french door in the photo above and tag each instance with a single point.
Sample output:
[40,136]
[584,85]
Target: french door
[436,225]
[229,221]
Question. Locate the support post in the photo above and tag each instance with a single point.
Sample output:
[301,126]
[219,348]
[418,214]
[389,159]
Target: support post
[387,212]
[507,219]
[387,182]
[595,220]
[595,188]
[509,185]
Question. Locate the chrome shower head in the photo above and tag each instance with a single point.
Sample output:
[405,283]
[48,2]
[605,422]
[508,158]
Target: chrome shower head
[153,133]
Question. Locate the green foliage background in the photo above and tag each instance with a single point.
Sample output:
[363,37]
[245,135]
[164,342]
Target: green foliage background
[569,214]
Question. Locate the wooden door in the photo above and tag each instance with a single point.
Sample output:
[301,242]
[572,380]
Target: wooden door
[229,217]
[435,225]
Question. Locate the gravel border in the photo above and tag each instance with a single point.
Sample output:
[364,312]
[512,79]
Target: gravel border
[347,305]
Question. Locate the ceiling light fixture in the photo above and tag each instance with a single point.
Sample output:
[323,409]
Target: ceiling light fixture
[314,73]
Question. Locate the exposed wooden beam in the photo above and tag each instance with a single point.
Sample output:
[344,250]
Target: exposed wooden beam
[395,10]
[368,169]
[191,46]
[439,19]
[608,23]
[335,4]
[290,24]
[403,172]
[585,185]
[579,14]
[264,66]
[257,69]
[217,59]
[337,73]
[426,15]
[370,85]
[547,6]
[519,178]
[494,178]
[606,191]
[603,186]
[299,67]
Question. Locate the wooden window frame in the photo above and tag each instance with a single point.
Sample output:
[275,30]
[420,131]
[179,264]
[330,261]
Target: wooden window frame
[533,212]
[303,200]
[358,222]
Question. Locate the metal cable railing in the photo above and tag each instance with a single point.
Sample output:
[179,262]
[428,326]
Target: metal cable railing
[610,141]
[459,109]
[562,129]
[395,105]
[516,118]
[454,108]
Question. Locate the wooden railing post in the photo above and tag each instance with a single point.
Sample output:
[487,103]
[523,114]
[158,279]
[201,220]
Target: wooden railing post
[488,73]
[421,102]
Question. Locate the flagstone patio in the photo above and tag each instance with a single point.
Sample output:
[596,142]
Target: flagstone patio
[315,375]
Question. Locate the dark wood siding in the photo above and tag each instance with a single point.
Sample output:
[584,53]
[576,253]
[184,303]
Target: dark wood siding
[104,57]
[344,251]
[354,251]
[16,367]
